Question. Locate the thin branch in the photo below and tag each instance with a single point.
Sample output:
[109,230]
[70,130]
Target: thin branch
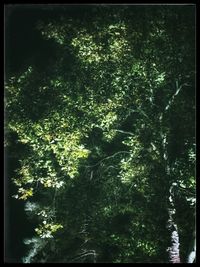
[85,254]
[172,98]
[141,112]
[91,175]
[109,167]
[124,132]
[178,88]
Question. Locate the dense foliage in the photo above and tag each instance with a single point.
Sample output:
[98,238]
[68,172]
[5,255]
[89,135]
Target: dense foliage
[107,128]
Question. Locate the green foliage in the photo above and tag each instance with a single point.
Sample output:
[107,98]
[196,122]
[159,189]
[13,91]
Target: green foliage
[24,193]
[47,229]
[98,140]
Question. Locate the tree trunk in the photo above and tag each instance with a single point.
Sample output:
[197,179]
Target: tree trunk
[192,252]
[174,253]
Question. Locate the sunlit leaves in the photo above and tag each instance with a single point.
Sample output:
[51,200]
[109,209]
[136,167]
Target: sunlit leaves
[160,78]
[192,154]
[24,193]
[147,247]
[119,48]
[48,226]
[130,173]
[51,182]
[25,176]
[68,152]
[107,123]
[46,230]
[134,145]
[88,51]
[52,31]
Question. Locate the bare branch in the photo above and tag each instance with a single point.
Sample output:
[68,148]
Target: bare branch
[178,88]
[124,132]
[85,254]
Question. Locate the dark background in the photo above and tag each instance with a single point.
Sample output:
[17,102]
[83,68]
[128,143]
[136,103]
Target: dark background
[24,44]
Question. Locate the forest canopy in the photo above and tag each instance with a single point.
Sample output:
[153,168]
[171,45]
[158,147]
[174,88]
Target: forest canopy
[103,120]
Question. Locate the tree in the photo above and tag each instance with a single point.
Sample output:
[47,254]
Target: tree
[106,172]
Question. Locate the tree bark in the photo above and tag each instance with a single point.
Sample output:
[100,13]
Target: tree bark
[192,253]
[174,253]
